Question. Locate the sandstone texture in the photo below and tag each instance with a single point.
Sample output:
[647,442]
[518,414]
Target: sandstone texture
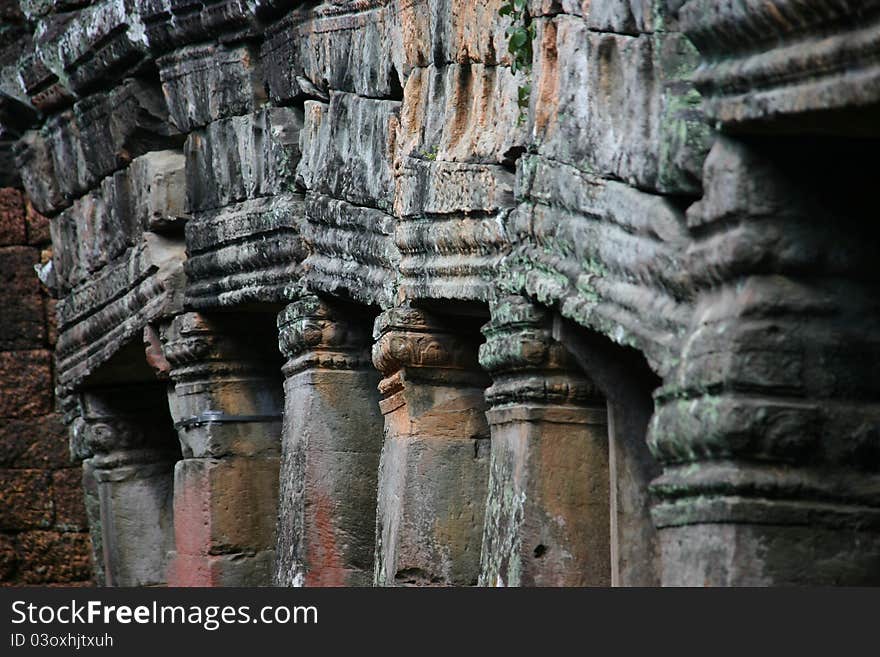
[378,292]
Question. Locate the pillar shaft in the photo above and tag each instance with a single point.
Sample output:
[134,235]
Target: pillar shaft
[128,484]
[434,464]
[226,404]
[332,437]
[768,428]
[547,519]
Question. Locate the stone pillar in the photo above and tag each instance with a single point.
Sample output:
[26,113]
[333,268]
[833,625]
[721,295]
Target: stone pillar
[627,384]
[768,429]
[331,440]
[434,465]
[127,482]
[547,511]
[226,404]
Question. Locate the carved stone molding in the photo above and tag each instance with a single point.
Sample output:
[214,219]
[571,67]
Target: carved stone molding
[411,339]
[312,333]
[526,363]
[116,428]
[199,347]
[768,62]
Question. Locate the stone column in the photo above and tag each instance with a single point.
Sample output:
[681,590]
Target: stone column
[627,384]
[547,511]
[331,440]
[226,404]
[127,480]
[769,429]
[434,464]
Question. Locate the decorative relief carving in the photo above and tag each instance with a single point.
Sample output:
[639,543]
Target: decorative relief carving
[408,338]
[526,363]
[314,334]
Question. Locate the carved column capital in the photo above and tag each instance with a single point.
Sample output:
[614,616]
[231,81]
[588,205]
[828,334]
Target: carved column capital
[413,344]
[526,363]
[312,333]
[199,347]
[113,429]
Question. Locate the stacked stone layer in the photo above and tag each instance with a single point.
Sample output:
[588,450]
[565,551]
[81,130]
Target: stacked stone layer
[657,224]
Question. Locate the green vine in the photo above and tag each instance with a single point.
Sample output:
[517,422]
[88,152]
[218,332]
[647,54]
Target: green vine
[519,44]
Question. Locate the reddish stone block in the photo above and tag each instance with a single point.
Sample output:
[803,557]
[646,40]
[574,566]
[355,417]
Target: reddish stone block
[12,217]
[23,325]
[225,505]
[39,442]
[25,499]
[47,557]
[8,558]
[37,225]
[26,383]
[67,494]
[221,569]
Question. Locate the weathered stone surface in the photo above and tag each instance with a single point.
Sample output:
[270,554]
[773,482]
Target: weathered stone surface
[242,157]
[330,448]
[434,464]
[785,426]
[625,109]
[548,508]
[332,48]
[12,217]
[170,24]
[24,323]
[352,149]
[104,313]
[39,443]
[461,113]
[384,155]
[780,63]
[226,504]
[246,252]
[350,250]
[100,135]
[67,499]
[28,383]
[51,556]
[26,499]
[610,255]
[92,45]
[207,83]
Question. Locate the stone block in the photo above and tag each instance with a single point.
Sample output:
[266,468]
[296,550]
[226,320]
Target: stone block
[27,377]
[37,225]
[462,113]
[24,322]
[46,557]
[352,150]
[222,569]
[12,217]
[620,106]
[332,48]
[206,83]
[26,499]
[223,506]
[242,157]
[67,497]
[39,442]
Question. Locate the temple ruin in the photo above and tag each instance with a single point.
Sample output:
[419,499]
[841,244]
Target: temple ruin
[440,292]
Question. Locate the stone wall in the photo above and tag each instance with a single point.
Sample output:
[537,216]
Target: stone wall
[43,526]
[445,292]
